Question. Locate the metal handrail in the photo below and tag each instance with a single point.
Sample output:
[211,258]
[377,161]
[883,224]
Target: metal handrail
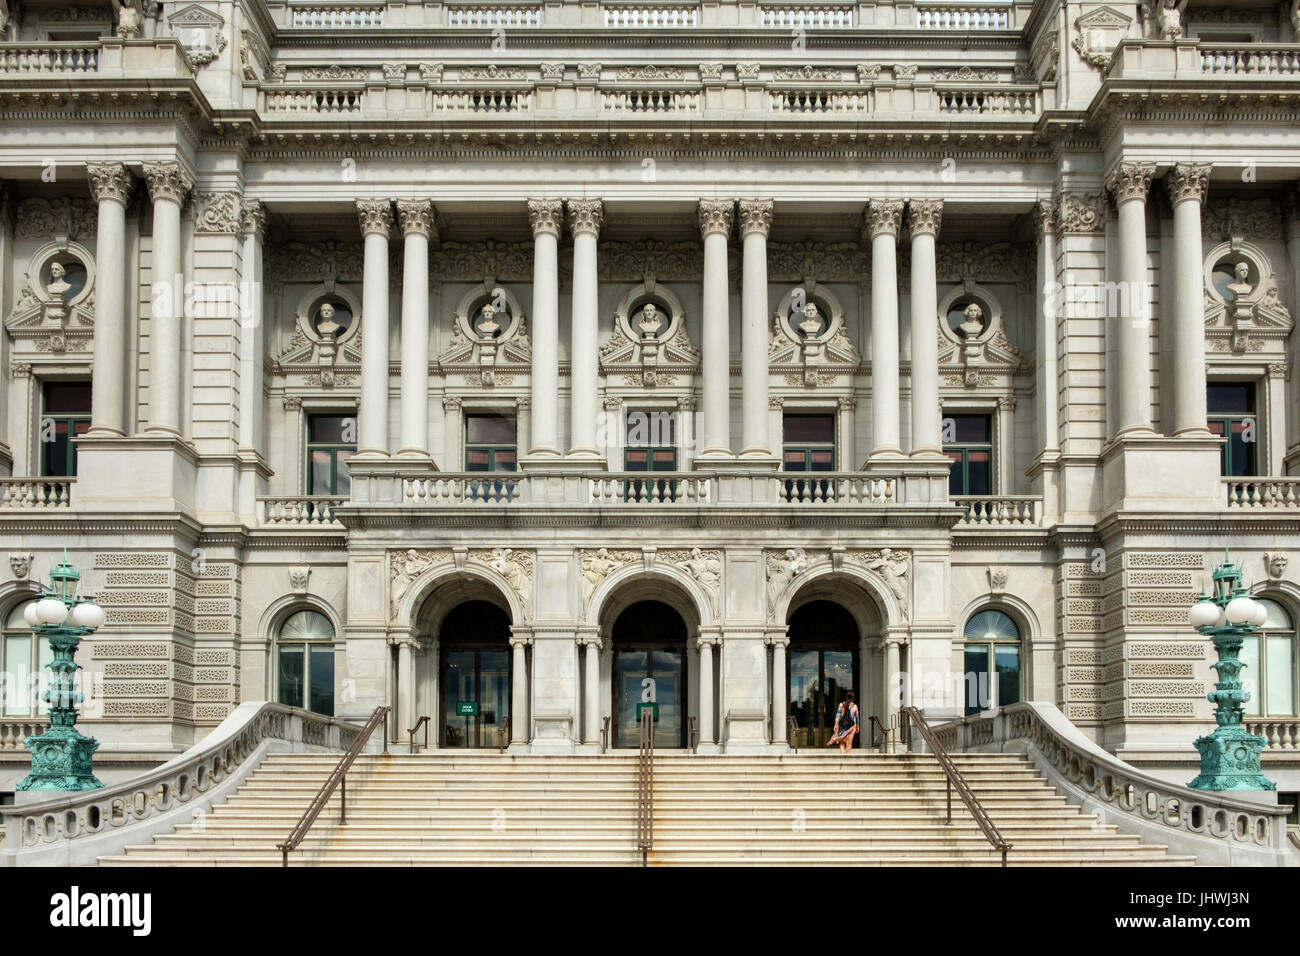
[604,733]
[645,769]
[509,728]
[791,732]
[910,715]
[338,778]
[411,733]
[692,734]
[884,731]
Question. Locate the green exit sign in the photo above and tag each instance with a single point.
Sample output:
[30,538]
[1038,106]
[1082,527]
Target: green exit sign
[466,708]
[642,708]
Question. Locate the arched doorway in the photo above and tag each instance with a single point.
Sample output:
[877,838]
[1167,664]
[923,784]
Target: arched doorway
[824,665]
[474,667]
[650,668]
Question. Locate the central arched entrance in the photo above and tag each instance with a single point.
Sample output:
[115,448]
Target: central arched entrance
[825,664]
[474,663]
[649,667]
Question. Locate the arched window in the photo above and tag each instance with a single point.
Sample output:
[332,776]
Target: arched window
[23,657]
[992,661]
[304,652]
[1270,672]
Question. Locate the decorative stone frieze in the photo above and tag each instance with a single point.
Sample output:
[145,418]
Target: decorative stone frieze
[1081,213]
[219,213]
[40,218]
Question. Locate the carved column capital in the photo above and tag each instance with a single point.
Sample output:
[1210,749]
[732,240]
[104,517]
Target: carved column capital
[755,216]
[167,180]
[545,215]
[1188,181]
[109,181]
[1130,181]
[716,215]
[924,216]
[376,216]
[884,217]
[1044,216]
[585,215]
[415,216]
[252,217]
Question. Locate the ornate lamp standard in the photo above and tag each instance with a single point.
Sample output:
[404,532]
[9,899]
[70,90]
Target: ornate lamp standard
[62,757]
[1229,755]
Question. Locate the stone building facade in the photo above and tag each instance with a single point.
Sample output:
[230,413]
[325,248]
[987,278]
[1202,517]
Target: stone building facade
[601,354]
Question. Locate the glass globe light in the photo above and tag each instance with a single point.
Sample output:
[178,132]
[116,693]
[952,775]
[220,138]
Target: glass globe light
[1261,615]
[88,614]
[1240,610]
[30,615]
[51,611]
[1204,614]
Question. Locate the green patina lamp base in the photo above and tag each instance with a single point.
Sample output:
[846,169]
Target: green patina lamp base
[61,760]
[1230,761]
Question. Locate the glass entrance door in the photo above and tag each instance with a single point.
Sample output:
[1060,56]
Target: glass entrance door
[819,679]
[654,674]
[475,675]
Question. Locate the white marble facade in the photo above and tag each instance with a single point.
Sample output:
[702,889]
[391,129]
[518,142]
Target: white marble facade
[485,197]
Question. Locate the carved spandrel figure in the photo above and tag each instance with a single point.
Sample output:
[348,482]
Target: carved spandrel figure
[406,567]
[57,287]
[128,18]
[894,569]
[1169,18]
[594,569]
[782,570]
[1241,288]
[707,571]
[503,563]
[973,321]
[650,321]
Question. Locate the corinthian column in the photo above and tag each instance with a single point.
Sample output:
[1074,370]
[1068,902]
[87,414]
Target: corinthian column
[1187,186]
[546,217]
[923,217]
[715,226]
[372,420]
[110,186]
[416,218]
[585,218]
[1045,382]
[169,184]
[755,223]
[253,222]
[1132,325]
[883,220]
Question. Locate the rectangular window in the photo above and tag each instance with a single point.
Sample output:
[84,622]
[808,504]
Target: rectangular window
[25,677]
[331,441]
[808,442]
[650,441]
[490,443]
[65,413]
[1232,416]
[968,443]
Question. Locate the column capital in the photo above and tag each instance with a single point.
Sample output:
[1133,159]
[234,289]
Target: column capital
[1130,180]
[1044,216]
[782,640]
[404,640]
[546,216]
[376,216]
[450,403]
[252,217]
[1188,181]
[924,217]
[884,216]
[520,641]
[415,217]
[168,180]
[109,182]
[708,640]
[589,640]
[716,216]
[755,216]
[585,215]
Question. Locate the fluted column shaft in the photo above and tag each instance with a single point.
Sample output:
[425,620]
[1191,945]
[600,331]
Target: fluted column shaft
[169,184]
[251,417]
[416,218]
[405,685]
[884,218]
[715,226]
[546,217]
[1187,185]
[706,690]
[780,690]
[1132,326]
[755,223]
[372,422]
[592,705]
[1045,384]
[519,692]
[585,218]
[110,186]
[923,218]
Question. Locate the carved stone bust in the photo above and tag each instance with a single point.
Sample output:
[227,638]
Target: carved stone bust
[650,322]
[812,323]
[1241,287]
[488,326]
[326,324]
[973,323]
[57,286]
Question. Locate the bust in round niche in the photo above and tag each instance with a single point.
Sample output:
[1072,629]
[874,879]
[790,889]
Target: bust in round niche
[486,324]
[968,318]
[332,318]
[64,277]
[1235,281]
[650,321]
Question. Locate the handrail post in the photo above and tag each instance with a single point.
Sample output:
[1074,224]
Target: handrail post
[948,781]
[343,790]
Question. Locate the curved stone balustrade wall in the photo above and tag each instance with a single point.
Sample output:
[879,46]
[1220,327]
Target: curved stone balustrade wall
[1217,829]
[77,828]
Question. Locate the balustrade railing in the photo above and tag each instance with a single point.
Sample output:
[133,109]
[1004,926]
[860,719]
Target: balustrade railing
[52,57]
[299,512]
[1000,510]
[1275,493]
[807,17]
[1257,59]
[820,101]
[1023,102]
[313,101]
[815,489]
[650,17]
[651,489]
[480,101]
[349,17]
[963,18]
[491,16]
[14,730]
[651,101]
[36,493]
[1282,733]
[452,489]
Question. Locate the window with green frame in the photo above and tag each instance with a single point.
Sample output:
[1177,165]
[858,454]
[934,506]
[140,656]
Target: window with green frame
[650,444]
[331,441]
[992,661]
[491,443]
[304,658]
[65,413]
[23,657]
[1270,673]
[808,442]
[968,443]
[1231,407]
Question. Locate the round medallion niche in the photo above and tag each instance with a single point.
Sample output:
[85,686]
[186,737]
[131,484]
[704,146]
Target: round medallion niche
[329,314]
[64,275]
[1236,273]
[331,317]
[62,271]
[494,316]
[649,313]
[815,317]
[970,314]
